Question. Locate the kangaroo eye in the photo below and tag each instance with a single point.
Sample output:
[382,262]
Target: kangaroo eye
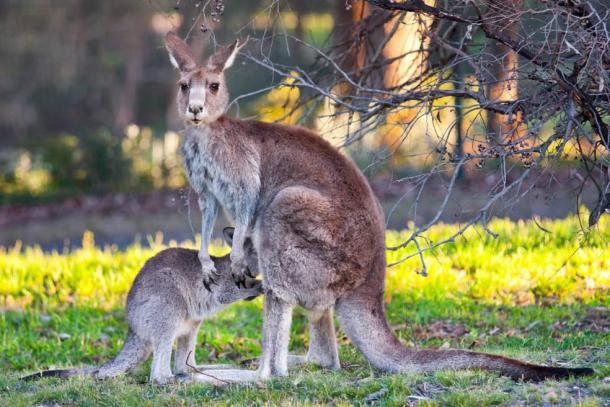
[184,87]
[214,87]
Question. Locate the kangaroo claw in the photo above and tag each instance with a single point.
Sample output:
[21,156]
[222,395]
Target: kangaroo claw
[210,280]
[206,284]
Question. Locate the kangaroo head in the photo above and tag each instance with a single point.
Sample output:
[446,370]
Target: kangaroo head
[202,91]
[226,290]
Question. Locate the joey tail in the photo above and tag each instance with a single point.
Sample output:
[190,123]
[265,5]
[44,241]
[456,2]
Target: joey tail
[362,316]
[62,373]
[134,352]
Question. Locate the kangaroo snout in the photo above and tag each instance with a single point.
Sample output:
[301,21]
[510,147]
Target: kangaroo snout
[195,113]
[195,109]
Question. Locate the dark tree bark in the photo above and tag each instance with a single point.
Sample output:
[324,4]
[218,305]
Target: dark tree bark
[503,17]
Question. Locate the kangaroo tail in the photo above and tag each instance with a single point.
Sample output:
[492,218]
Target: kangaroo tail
[63,373]
[134,352]
[362,317]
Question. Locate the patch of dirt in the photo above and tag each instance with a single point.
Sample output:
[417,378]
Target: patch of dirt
[152,202]
[425,392]
[596,320]
[440,330]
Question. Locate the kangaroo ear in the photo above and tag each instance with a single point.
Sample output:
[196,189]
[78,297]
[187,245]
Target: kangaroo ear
[224,57]
[180,54]
[227,233]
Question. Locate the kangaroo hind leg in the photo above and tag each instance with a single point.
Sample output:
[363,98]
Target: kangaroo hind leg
[184,357]
[322,342]
[160,370]
[277,318]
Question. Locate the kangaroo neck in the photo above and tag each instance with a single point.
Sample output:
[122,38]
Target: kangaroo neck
[207,132]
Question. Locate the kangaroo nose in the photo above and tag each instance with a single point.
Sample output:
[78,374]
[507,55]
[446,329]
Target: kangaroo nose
[195,109]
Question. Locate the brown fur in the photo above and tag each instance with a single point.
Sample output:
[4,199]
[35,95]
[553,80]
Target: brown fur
[319,233]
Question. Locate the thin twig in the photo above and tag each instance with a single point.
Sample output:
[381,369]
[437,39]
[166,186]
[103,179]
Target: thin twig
[196,369]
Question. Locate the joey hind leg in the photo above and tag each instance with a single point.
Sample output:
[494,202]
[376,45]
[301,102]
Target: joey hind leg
[184,358]
[185,351]
[160,371]
[277,317]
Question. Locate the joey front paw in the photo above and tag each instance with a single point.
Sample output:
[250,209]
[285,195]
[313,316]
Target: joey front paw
[254,288]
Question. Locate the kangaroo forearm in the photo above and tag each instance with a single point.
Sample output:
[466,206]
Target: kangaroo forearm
[239,240]
[244,218]
[209,212]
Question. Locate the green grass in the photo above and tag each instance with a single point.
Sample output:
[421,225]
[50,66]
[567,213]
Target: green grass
[538,296]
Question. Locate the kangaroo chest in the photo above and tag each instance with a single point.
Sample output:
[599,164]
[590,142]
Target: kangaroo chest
[200,167]
[213,167]
[201,161]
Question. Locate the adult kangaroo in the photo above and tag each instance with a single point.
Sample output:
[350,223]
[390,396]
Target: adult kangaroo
[315,223]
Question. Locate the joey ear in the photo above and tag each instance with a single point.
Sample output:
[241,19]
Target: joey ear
[228,235]
[180,54]
[224,57]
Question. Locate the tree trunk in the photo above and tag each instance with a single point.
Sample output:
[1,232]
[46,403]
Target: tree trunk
[502,82]
[125,112]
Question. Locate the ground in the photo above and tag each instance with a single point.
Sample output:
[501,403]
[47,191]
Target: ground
[573,335]
[528,294]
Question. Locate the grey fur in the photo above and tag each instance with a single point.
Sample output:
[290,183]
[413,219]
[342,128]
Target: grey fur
[202,99]
[214,179]
[167,302]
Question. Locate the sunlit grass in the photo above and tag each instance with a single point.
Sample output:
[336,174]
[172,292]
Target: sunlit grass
[527,263]
[523,265]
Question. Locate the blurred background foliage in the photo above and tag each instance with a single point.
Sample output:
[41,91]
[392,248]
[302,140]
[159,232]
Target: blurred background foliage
[86,90]
[87,111]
